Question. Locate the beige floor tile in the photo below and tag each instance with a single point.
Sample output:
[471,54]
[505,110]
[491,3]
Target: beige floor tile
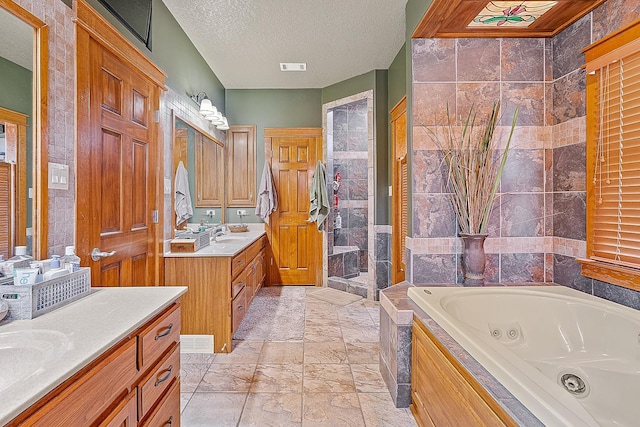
[321,321]
[379,411]
[363,352]
[368,379]
[327,378]
[322,333]
[325,352]
[277,378]
[243,352]
[272,410]
[202,358]
[213,409]
[357,334]
[184,399]
[227,377]
[190,376]
[331,410]
[281,352]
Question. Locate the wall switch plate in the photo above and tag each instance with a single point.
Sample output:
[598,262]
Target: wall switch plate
[167,186]
[390,191]
[210,212]
[58,176]
[242,212]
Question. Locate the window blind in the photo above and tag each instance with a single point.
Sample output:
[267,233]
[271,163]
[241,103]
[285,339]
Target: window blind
[615,229]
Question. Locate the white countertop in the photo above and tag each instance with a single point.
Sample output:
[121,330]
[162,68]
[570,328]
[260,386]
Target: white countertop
[228,245]
[83,330]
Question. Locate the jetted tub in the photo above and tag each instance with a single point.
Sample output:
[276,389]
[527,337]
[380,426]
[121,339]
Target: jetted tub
[571,358]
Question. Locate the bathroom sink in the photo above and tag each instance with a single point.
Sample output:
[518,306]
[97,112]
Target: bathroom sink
[26,353]
[229,237]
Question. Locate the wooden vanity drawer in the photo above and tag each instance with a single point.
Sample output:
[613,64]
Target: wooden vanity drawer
[159,336]
[238,308]
[158,380]
[254,249]
[238,263]
[238,284]
[167,413]
[82,401]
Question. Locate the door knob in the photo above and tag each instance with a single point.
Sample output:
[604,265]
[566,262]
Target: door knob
[97,254]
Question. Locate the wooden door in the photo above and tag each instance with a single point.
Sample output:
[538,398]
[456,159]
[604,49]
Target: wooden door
[399,191]
[296,244]
[118,173]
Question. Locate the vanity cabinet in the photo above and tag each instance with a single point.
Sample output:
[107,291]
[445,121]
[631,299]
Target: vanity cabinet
[130,384]
[209,172]
[241,162]
[221,289]
[441,388]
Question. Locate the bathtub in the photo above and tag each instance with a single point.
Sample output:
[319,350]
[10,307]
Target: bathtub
[571,358]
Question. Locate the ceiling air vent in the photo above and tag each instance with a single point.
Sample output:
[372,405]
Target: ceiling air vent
[293,66]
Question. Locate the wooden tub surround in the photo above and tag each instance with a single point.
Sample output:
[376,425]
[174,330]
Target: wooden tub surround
[446,385]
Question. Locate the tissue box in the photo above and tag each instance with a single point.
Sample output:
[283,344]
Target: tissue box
[28,302]
[191,242]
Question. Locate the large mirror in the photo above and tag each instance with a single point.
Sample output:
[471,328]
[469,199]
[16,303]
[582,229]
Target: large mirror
[23,131]
[203,158]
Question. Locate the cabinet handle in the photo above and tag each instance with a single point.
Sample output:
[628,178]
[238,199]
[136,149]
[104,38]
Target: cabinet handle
[166,332]
[164,377]
[240,309]
[240,262]
[169,421]
[240,283]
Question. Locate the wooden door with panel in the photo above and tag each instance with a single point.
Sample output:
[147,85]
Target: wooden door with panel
[296,245]
[118,176]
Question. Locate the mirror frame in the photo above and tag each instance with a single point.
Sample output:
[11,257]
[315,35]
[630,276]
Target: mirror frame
[39,125]
[210,136]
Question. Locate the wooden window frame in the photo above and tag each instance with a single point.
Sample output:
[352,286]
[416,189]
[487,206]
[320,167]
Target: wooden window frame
[620,44]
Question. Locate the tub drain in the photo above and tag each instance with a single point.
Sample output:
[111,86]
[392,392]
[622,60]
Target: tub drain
[574,385]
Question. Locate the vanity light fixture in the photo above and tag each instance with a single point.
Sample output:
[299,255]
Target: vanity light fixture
[224,125]
[209,111]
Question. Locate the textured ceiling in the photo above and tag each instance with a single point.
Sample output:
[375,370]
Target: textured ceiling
[244,41]
[17,40]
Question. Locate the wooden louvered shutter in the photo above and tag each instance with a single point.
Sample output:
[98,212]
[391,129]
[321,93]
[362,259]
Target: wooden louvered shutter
[6,213]
[613,161]
[404,218]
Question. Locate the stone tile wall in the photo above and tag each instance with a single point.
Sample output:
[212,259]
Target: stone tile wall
[456,74]
[350,153]
[61,102]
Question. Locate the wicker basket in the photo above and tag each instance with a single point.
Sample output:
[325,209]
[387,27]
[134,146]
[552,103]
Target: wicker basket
[238,228]
[28,302]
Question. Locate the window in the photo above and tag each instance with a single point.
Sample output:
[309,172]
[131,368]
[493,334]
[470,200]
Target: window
[613,159]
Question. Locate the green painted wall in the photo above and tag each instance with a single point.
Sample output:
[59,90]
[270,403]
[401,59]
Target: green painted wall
[349,87]
[15,95]
[272,108]
[382,168]
[398,77]
[174,53]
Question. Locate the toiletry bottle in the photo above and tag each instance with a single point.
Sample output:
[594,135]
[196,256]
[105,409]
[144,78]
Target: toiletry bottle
[55,262]
[20,259]
[70,260]
[338,222]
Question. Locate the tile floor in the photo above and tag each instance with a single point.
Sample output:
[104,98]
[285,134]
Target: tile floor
[330,378]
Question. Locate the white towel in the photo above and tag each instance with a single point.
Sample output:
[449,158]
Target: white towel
[183,207]
[267,197]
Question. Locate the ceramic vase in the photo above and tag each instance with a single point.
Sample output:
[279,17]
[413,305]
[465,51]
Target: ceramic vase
[473,259]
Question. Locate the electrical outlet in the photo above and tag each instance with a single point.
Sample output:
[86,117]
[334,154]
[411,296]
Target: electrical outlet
[210,212]
[242,212]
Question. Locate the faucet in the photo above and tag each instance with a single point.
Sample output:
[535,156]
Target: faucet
[217,232]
